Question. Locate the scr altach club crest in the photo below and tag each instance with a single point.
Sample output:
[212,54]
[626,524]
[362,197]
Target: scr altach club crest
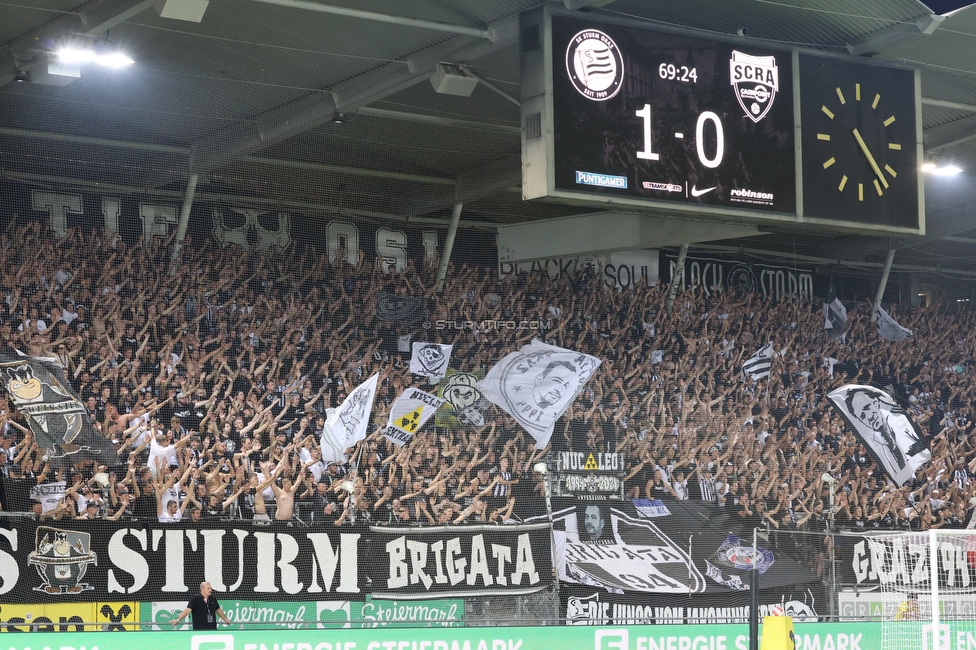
[594,65]
[756,81]
[61,558]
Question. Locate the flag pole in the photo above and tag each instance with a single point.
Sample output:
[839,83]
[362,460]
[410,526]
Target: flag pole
[884,283]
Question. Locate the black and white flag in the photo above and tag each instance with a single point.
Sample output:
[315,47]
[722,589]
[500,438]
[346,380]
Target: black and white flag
[54,412]
[835,316]
[877,420]
[889,329]
[430,359]
[537,384]
[349,423]
[757,366]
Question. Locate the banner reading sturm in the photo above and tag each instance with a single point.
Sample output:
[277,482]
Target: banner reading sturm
[79,561]
[463,560]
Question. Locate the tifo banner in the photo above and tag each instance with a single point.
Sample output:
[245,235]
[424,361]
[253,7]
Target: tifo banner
[808,636]
[618,547]
[81,562]
[586,606]
[620,270]
[255,227]
[329,614]
[770,280]
[899,561]
[462,560]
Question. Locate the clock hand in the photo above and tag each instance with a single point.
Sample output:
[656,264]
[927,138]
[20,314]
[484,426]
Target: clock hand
[871,161]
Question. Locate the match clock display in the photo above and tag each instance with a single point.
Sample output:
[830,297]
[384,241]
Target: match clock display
[646,116]
[860,142]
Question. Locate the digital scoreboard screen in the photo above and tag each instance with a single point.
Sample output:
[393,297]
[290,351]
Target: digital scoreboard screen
[672,118]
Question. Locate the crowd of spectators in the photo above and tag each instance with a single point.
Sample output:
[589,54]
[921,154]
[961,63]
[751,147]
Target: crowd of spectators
[213,382]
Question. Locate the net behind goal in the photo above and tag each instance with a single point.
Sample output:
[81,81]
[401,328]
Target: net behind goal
[928,585]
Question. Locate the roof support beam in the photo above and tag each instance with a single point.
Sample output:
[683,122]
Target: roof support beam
[944,224]
[383,18]
[250,136]
[106,15]
[894,36]
[946,135]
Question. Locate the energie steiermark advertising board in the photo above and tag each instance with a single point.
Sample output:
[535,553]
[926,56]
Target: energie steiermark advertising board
[813,636]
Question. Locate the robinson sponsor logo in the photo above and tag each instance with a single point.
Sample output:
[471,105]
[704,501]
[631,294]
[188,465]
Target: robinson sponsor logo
[744,195]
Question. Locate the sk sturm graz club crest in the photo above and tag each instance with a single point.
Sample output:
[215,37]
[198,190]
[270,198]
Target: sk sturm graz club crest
[53,410]
[756,80]
[594,65]
[61,558]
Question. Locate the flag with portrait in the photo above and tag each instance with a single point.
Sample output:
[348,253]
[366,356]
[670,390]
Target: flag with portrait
[349,423]
[409,412]
[890,436]
[536,384]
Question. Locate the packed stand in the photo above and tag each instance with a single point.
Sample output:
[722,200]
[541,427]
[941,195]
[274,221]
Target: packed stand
[213,384]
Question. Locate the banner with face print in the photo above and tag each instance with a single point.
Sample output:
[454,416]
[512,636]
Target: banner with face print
[430,359]
[537,384]
[890,436]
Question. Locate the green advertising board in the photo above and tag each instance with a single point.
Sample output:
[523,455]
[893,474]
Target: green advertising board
[332,614]
[809,636]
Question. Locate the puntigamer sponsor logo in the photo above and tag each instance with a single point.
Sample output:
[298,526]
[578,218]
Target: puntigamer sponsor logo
[750,196]
[601,180]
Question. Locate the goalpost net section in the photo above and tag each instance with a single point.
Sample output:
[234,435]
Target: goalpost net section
[928,586]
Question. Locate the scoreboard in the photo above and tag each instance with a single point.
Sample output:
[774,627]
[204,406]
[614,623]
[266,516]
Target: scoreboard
[618,115]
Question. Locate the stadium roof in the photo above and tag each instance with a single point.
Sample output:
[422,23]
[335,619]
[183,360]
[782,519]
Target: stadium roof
[325,106]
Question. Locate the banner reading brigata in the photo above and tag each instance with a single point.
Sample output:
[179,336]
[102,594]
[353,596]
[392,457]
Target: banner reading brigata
[463,560]
[79,561]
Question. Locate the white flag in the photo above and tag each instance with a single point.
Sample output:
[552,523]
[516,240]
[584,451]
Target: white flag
[348,424]
[409,412]
[889,329]
[757,366]
[885,429]
[430,359]
[537,384]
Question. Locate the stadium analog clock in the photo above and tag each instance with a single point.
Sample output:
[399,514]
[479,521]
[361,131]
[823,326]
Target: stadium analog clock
[860,142]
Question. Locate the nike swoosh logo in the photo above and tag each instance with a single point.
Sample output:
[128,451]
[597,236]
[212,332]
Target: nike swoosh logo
[697,192]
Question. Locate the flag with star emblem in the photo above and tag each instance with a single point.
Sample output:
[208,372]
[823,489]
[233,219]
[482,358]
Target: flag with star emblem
[409,412]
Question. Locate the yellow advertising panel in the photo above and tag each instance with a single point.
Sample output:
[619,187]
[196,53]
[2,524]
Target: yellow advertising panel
[116,617]
[62,617]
